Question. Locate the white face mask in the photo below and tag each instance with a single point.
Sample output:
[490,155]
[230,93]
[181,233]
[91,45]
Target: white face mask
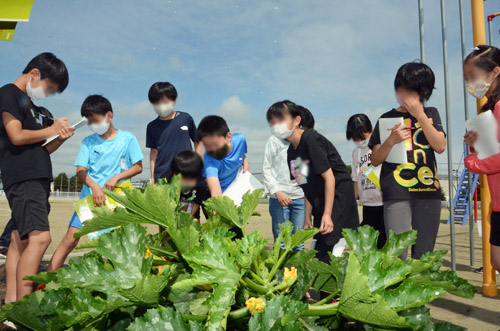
[164,109]
[362,144]
[100,128]
[35,93]
[281,131]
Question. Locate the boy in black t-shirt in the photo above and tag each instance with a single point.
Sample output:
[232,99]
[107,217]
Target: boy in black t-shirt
[319,170]
[170,133]
[193,187]
[26,167]
[411,191]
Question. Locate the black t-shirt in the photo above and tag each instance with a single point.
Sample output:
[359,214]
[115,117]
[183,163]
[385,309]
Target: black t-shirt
[418,178]
[314,155]
[194,196]
[20,163]
[170,137]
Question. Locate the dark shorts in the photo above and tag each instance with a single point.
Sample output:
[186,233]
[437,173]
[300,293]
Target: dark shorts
[29,204]
[495,228]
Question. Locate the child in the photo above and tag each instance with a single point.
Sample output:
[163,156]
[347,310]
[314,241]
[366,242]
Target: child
[287,198]
[170,133]
[26,167]
[482,73]
[411,191]
[225,153]
[105,158]
[319,170]
[193,187]
[359,130]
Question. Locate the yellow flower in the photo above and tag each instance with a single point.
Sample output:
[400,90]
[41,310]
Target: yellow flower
[290,274]
[255,305]
[148,254]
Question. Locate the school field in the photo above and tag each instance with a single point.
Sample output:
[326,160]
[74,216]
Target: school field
[481,313]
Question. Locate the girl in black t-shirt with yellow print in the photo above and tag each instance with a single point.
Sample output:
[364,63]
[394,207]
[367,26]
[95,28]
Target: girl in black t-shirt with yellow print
[411,191]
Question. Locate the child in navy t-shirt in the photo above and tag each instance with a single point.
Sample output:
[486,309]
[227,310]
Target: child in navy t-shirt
[170,133]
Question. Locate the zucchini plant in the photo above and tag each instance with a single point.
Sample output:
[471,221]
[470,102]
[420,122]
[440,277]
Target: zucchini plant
[205,277]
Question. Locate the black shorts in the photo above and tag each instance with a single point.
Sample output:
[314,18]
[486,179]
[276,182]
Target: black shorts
[29,205]
[495,228]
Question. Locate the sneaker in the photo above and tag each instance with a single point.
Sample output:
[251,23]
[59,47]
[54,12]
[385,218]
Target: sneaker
[480,270]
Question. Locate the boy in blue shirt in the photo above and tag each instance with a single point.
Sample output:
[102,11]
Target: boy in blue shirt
[225,153]
[105,158]
[170,133]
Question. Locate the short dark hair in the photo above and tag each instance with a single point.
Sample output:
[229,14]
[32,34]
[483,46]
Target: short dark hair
[416,77]
[212,125]
[357,126]
[95,104]
[187,163]
[487,58]
[51,68]
[278,109]
[162,89]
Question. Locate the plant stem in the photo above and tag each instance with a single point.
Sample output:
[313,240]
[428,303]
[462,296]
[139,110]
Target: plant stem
[189,317]
[239,313]
[324,310]
[254,286]
[277,265]
[328,298]
[257,278]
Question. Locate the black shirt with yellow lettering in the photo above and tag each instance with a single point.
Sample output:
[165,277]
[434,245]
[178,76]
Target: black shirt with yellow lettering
[418,178]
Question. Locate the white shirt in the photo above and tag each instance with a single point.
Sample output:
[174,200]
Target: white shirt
[369,194]
[276,171]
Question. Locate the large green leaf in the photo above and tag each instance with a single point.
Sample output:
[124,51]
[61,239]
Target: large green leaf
[449,281]
[357,302]
[162,319]
[280,313]
[397,243]
[409,295]
[420,319]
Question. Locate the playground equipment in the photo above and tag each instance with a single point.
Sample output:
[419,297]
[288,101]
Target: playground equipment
[466,181]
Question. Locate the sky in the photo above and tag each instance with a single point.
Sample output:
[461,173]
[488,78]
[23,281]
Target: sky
[236,58]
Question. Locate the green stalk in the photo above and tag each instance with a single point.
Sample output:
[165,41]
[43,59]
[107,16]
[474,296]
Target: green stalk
[277,265]
[188,317]
[328,298]
[254,286]
[257,278]
[239,313]
[324,310]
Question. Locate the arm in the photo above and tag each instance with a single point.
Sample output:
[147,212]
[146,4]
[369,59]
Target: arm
[488,166]
[356,193]
[198,148]
[19,136]
[246,165]
[435,138]
[269,180]
[64,135]
[379,152]
[97,192]
[326,221]
[308,213]
[153,153]
[135,169]
[196,207]
[214,186]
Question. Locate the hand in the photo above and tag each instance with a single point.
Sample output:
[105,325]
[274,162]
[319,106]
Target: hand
[111,184]
[66,133]
[470,138]
[59,124]
[152,180]
[414,107]
[308,223]
[283,199]
[399,133]
[326,224]
[99,196]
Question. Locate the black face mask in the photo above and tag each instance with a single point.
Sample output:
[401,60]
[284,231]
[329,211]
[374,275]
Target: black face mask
[220,153]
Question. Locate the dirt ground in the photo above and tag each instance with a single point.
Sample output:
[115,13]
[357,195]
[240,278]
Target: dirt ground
[481,313]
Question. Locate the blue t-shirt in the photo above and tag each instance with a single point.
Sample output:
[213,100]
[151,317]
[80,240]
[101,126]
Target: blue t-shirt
[227,168]
[106,158]
[170,137]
